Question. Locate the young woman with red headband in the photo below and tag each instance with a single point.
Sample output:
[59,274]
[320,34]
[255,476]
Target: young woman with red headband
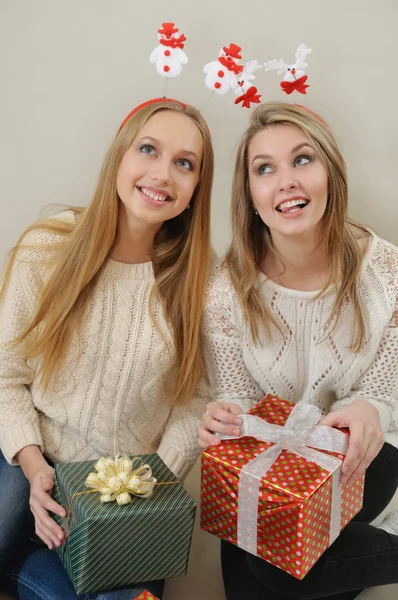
[101,333]
[305,306]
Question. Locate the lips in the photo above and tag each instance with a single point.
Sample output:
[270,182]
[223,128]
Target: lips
[292,205]
[154,193]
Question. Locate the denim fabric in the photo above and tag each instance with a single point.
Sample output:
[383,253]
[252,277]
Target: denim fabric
[38,574]
[361,557]
[16,520]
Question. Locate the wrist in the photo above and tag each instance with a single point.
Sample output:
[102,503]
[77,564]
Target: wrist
[31,461]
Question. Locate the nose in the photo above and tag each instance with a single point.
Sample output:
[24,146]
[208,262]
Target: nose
[287,180]
[161,170]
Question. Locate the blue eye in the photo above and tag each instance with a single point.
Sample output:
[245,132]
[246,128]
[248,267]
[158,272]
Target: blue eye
[147,149]
[264,169]
[302,160]
[185,164]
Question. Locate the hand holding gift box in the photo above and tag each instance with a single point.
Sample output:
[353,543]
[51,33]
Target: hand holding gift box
[275,491]
[115,538]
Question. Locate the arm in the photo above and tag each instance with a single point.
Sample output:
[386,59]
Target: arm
[368,408]
[179,447]
[229,377]
[233,389]
[378,385]
[19,420]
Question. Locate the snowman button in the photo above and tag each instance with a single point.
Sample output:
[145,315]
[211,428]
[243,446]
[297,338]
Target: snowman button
[167,52]
[220,73]
[217,85]
[166,68]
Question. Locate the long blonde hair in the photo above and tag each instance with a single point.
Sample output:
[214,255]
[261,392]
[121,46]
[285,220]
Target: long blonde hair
[251,238]
[181,257]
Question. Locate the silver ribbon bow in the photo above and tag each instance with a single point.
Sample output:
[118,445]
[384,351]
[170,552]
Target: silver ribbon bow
[299,435]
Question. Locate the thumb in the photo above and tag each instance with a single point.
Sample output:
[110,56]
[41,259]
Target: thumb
[47,483]
[333,419]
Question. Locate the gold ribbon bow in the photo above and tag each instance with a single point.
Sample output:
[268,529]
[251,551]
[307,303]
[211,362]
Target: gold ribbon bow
[119,478]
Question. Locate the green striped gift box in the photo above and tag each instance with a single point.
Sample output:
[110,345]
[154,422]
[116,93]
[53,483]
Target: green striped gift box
[110,546]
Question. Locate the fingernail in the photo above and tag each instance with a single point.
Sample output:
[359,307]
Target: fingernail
[343,479]
[236,432]
[60,536]
[238,421]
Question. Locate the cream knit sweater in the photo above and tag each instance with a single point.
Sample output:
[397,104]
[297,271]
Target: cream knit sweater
[299,365]
[108,398]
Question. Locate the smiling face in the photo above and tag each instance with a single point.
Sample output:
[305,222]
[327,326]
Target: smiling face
[288,182]
[159,172]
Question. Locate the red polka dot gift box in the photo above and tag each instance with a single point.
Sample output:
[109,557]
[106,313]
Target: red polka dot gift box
[275,491]
[145,595]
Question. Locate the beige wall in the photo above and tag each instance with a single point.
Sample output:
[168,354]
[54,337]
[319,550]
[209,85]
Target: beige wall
[72,69]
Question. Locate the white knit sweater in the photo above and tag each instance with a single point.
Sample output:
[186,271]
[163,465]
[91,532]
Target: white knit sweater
[299,365]
[110,398]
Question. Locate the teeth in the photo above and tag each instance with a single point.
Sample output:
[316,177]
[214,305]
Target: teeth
[290,203]
[153,196]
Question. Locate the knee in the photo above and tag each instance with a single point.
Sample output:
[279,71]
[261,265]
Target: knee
[279,581]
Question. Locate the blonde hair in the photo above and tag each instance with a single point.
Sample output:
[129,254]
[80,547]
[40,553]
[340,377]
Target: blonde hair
[251,238]
[181,257]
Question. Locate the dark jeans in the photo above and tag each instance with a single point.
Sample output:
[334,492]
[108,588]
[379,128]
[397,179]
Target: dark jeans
[16,520]
[361,557]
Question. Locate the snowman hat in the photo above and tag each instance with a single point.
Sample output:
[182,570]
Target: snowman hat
[233,50]
[168,29]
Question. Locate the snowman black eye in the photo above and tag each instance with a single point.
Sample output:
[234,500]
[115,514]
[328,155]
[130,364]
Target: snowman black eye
[289,69]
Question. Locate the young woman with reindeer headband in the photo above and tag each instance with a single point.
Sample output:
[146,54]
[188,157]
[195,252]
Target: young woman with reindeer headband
[101,332]
[305,306]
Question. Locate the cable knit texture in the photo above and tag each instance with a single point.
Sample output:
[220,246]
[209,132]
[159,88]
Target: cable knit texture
[107,399]
[300,364]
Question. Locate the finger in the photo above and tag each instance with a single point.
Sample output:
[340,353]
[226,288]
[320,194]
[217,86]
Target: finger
[51,528]
[372,451]
[44,499]
[43,533]
[219,427]
[224,411]
[355,453]
[206,438]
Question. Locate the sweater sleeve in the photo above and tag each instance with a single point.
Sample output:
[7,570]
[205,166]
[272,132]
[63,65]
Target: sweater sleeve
[379,383]
[19,420]
[229,376]
[179,446]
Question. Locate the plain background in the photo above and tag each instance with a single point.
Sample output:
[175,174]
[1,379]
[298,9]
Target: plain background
[70,70]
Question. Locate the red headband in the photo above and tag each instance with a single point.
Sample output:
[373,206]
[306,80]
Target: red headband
[148,103]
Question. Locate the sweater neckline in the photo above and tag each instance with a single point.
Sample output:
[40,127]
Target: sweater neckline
[264,280]
[114,269]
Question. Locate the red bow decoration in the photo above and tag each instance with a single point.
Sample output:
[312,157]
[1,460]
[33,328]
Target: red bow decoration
[298,85]
[231,65]
[175,42]
[250,97]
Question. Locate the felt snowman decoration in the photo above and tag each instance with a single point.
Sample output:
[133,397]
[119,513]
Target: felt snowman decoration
[294,79]
[221,74]
[247,93]
[169,56]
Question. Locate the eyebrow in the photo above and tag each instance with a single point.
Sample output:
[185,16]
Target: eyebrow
[186,152]
[293,150]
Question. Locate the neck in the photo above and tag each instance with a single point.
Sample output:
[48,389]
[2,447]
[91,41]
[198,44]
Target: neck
[135,240]
[298,263]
